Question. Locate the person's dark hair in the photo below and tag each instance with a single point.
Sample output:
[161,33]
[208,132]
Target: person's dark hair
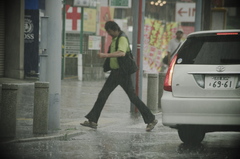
[179,31]
[112,25]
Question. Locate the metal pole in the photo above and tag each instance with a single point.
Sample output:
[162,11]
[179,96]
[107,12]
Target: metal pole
[138,28]
[43,47]
[198,17]
[81,31]
[80,76]
[134,42]
[53,10]
[63,38]
[141,45]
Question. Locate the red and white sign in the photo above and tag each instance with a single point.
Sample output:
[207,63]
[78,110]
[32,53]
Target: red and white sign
[185,12]
[73,18]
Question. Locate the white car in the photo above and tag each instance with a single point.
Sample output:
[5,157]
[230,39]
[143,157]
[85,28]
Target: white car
[202,85]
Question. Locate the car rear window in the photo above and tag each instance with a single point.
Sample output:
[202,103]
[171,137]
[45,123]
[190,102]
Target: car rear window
[222,49]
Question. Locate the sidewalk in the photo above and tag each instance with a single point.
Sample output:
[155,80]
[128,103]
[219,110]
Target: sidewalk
[77,99]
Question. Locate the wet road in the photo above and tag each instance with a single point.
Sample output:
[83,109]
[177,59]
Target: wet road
[127,140]
[120,135]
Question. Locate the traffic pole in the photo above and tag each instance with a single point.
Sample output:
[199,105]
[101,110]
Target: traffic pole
[134,46]
[138,28]
[198,17]
[63,38]
[54,12]
[139,75]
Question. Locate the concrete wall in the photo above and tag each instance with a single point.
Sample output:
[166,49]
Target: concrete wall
[14,55]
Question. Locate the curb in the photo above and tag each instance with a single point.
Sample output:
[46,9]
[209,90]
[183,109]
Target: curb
[64,136]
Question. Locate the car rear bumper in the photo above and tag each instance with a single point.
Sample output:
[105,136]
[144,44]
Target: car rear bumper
[199,111]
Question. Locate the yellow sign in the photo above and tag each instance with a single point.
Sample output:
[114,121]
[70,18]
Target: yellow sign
[90,19]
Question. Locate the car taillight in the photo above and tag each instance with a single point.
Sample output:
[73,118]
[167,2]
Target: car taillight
[168,79]
[227,33]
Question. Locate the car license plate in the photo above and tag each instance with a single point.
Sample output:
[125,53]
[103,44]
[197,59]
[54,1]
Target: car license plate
[219,81]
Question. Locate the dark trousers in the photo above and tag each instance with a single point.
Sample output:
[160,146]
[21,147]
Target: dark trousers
[117,78]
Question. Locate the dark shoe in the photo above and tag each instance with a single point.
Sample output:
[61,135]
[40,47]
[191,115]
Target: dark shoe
[151,125]
[89,124]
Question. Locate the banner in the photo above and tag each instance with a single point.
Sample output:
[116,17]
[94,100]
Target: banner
[31,42]
[90,19]
[156,38]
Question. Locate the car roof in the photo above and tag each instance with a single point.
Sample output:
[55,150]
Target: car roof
[211,33]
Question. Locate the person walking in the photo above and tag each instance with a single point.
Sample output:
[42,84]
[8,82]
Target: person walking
[119,48]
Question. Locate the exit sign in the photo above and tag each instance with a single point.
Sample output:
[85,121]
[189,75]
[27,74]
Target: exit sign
[120,3]
[185,12]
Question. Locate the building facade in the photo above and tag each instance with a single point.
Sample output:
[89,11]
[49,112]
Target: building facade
[13,61]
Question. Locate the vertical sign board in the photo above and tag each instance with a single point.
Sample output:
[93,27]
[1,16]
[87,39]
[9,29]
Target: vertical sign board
[31,41]
[94,43]
[90,19]
[185,12]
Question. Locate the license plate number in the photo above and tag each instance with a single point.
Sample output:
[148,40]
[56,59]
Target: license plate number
[219,82]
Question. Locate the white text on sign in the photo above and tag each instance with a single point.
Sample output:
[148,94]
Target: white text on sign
[185,12]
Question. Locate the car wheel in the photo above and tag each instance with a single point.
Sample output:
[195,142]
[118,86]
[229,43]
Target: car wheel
[191,134]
